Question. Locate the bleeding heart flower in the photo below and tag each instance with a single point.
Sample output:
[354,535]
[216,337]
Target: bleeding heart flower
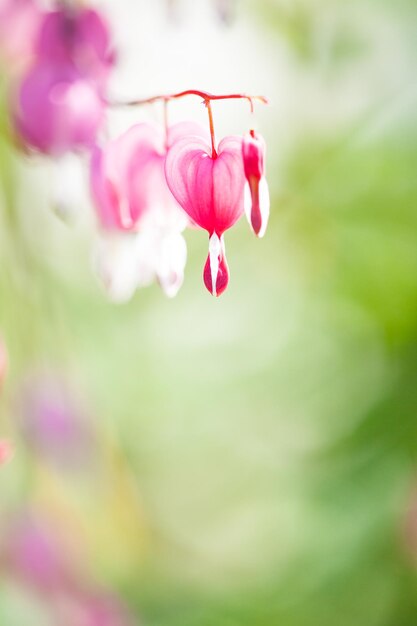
[59,104]
[79,37]
[210,190]
[256,187]
[57,110]
[140,219]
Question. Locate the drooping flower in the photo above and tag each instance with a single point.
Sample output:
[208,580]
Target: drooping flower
[140,220]
[59,103]
[210,189]
[57,110]
[79,37]
[256,187]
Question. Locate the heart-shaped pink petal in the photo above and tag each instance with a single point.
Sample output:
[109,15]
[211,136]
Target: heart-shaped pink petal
[127,177]
[209,190]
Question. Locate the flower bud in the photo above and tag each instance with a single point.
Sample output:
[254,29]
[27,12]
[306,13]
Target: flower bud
[256,188]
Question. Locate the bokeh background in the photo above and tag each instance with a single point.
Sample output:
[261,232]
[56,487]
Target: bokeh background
[242,461]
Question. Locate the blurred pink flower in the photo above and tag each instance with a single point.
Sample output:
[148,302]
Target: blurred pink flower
[42,556]
[140,220]
[59,104]
[57,110]
[79,37]
[210,189]
[256,187]
[53,423]
[19,24]
[34,554]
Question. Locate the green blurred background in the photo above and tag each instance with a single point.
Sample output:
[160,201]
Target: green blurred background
[254,457]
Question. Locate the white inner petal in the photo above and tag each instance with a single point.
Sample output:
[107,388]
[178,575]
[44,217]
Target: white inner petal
[171,263]
[215,248]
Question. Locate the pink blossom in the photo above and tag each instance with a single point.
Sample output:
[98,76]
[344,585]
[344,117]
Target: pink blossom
[44,554]
[57,109]
[79,37]
[35,554]
[140,220]
[127,177]
[256,187]
[53,421]
[19,24]
[59,104]
[210,190]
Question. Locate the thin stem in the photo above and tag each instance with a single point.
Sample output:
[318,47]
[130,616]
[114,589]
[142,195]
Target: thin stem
[207,97]
[213,139]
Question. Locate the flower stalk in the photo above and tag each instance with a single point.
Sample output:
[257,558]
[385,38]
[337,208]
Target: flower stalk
[205,95]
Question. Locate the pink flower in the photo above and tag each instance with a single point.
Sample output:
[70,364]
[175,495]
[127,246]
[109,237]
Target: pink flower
[46,555]
[78,37]
[210,190]
[256,187]
[124,175]
[53,421]
[140,220]
[57,110]
[59,104]
[19,24]
[35,554]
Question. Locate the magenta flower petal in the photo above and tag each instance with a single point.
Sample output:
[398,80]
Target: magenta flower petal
[79,37]
[136,209]
[127,177]
[19,25]
[209,190]
[57,110]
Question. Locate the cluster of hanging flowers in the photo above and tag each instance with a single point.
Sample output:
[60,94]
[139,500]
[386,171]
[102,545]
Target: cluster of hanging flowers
[150,183]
